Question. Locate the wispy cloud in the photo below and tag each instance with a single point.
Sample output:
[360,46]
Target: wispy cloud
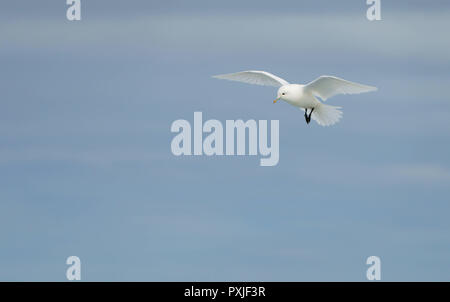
[361,173]
[84,156]
[398,35]
[418,173]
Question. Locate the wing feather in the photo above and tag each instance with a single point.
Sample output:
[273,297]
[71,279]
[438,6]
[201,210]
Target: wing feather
[254,77]
[328,86]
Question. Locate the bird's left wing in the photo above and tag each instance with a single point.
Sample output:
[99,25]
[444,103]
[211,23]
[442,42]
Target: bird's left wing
[328,86]
[254,77]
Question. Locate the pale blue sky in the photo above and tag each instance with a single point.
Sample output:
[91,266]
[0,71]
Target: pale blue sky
[86,167]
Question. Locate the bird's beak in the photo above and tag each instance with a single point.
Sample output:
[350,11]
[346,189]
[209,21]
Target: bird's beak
[274,101]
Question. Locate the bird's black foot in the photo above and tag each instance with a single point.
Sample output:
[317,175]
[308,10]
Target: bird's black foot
[308,116]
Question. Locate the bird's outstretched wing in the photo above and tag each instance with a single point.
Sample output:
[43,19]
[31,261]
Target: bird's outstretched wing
[254,77]
[328,86]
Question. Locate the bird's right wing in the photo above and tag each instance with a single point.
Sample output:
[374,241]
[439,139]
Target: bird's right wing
[254,77]
[328,86]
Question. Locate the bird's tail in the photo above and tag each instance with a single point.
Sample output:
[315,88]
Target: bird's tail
[326,115]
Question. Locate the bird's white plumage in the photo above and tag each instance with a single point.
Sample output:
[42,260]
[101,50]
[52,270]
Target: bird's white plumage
[304,96]
[328,86]
[254,77]
[326,115]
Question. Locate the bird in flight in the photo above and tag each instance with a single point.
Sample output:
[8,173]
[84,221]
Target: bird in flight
[304,96]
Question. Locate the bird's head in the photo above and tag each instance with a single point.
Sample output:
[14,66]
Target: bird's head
[283,93]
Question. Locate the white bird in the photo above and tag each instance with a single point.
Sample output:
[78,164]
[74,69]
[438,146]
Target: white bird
[304,96]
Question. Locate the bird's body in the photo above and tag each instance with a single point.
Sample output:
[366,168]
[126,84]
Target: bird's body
[304,96]
[299,97]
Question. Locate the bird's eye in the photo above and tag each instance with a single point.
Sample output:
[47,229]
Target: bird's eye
[283,93]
